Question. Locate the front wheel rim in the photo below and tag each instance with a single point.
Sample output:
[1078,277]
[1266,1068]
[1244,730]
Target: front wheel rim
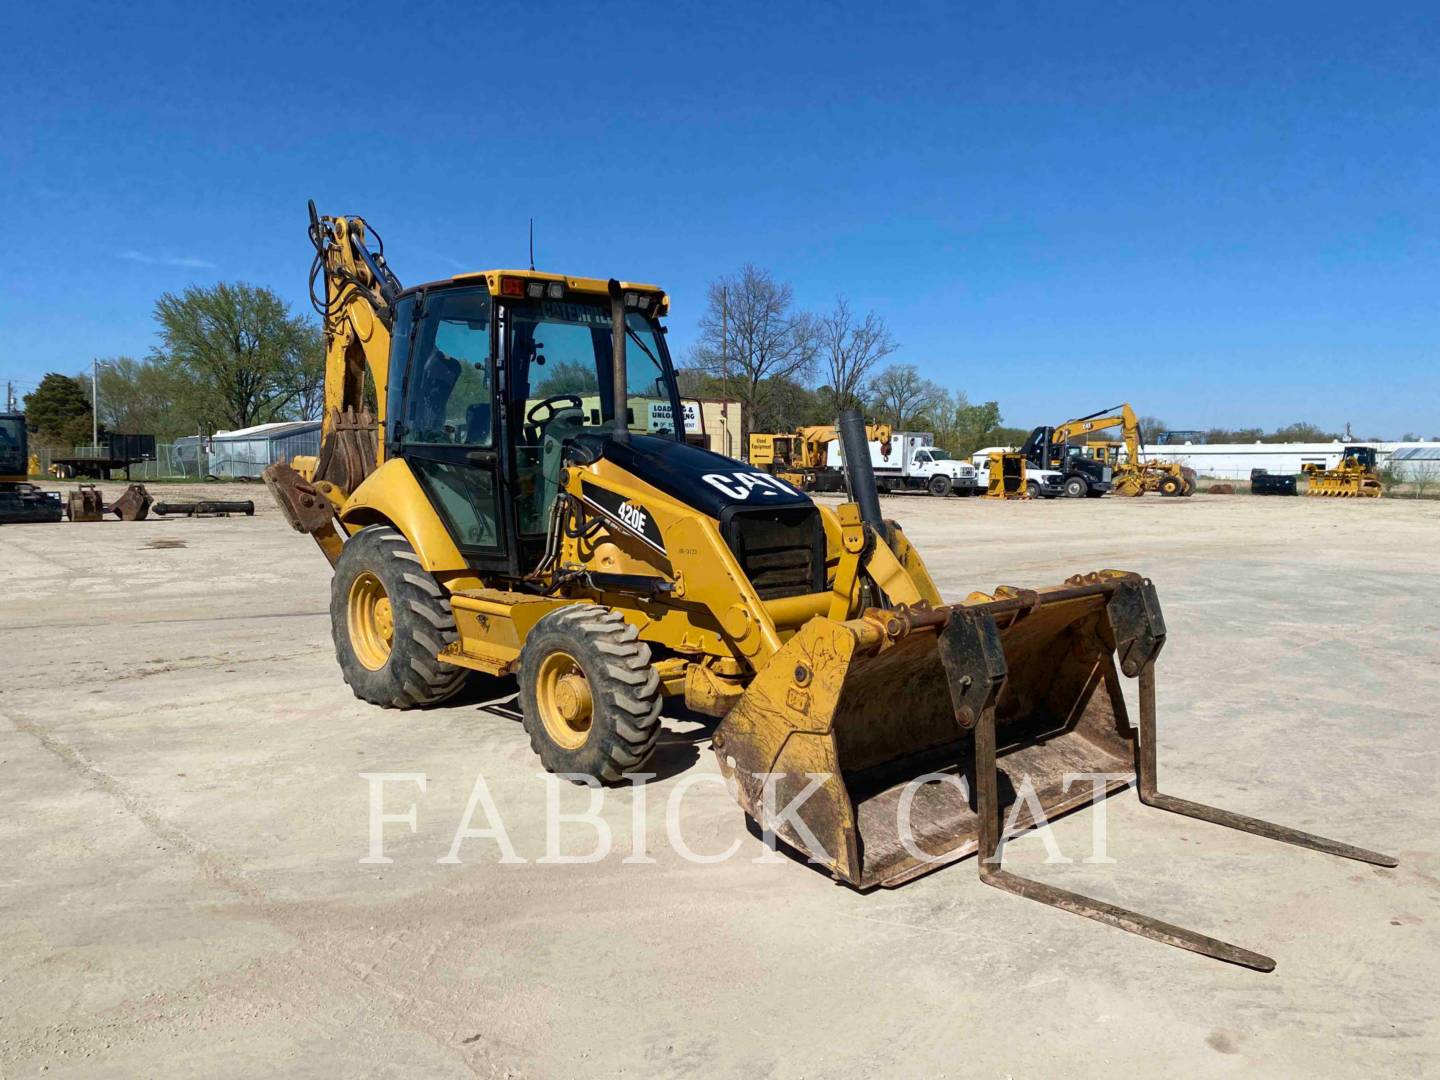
[566,704]
[370,619]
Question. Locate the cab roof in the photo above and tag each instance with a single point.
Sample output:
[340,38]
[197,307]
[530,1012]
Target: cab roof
[589,286]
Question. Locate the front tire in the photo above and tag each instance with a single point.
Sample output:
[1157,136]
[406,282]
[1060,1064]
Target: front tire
[1076,488]
[1171,486]
[589,694]
[940,485]
[390,621]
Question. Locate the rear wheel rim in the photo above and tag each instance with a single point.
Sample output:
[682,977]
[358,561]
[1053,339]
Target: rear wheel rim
[371,621]
[566,704]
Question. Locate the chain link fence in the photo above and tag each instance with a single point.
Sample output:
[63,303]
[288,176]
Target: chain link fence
[172,461]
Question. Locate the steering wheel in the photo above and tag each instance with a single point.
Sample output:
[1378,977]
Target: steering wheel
[548,404]
[535,424]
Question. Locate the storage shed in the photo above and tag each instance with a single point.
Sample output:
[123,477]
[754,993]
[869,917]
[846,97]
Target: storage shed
[246,453]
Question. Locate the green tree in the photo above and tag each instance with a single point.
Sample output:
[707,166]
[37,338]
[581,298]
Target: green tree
[1301,432]
[241,344]
[150,397]
[59,409]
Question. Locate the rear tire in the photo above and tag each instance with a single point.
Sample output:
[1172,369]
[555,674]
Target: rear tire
[1032,488]
[1076,488]
[589,693]
[940,485]
[390,620]
[1171,485]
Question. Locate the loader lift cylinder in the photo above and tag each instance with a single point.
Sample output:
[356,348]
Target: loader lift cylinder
[620,391]
[859,471]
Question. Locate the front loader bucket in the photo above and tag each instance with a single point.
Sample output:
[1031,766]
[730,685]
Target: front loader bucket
[885,746]
[868,705]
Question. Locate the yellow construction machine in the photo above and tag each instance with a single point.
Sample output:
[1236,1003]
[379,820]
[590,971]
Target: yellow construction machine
[801,458]
[1006,476]
[478,520]
[1355,477]
[1137,474]
[20,500]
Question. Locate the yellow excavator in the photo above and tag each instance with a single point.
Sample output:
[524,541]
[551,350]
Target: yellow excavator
[478,519]
[1137,474]
[21,501]
[801,457]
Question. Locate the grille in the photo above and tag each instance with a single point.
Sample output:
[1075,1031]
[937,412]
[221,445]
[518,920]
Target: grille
[781,551]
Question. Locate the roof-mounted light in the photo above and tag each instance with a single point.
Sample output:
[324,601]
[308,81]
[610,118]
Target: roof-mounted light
[555,290]
[512,286]
[535,290]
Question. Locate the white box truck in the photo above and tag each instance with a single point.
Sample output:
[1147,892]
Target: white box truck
[913,463]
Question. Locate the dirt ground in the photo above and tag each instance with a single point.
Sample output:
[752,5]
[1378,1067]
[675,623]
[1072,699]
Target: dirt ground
[182,889]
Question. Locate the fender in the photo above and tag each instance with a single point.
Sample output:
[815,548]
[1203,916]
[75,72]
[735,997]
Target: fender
[391,495]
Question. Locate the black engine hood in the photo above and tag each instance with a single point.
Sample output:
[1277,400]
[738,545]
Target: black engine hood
[709,482]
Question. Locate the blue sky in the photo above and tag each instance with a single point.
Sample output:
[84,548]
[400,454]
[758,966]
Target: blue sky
[1226,214]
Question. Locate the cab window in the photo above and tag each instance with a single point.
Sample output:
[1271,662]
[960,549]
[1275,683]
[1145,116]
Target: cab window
[449,399]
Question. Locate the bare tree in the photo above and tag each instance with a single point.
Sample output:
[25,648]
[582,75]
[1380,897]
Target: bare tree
[750,333]
[1423,476]
[899,395]
[850,348]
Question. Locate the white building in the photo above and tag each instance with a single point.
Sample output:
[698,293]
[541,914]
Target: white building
[1233,461]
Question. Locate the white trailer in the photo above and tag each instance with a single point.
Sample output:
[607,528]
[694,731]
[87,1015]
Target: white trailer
[913,462]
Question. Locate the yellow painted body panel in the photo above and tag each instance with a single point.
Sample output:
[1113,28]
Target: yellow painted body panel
[391,495]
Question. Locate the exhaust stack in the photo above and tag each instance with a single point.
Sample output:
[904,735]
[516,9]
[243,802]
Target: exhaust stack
[620,393]
[859,471]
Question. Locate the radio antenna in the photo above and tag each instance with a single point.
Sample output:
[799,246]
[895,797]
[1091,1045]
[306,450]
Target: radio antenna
[532,243]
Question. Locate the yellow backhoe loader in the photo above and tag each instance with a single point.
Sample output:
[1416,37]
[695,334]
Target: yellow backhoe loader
[480,520]
[1137,474]
[1355,477]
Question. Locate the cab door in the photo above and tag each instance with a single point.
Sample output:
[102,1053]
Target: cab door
[447,426]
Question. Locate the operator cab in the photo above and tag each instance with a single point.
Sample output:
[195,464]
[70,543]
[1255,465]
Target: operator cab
[14,450]
[493,375]
[1363,456]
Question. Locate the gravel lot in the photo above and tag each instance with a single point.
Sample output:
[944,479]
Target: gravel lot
[182,891]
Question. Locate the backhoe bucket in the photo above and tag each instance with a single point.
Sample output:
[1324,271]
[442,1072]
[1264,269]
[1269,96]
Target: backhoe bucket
[878,707]
[885,746]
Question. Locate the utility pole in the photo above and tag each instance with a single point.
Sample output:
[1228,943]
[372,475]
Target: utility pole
[9,396]
[94,402]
